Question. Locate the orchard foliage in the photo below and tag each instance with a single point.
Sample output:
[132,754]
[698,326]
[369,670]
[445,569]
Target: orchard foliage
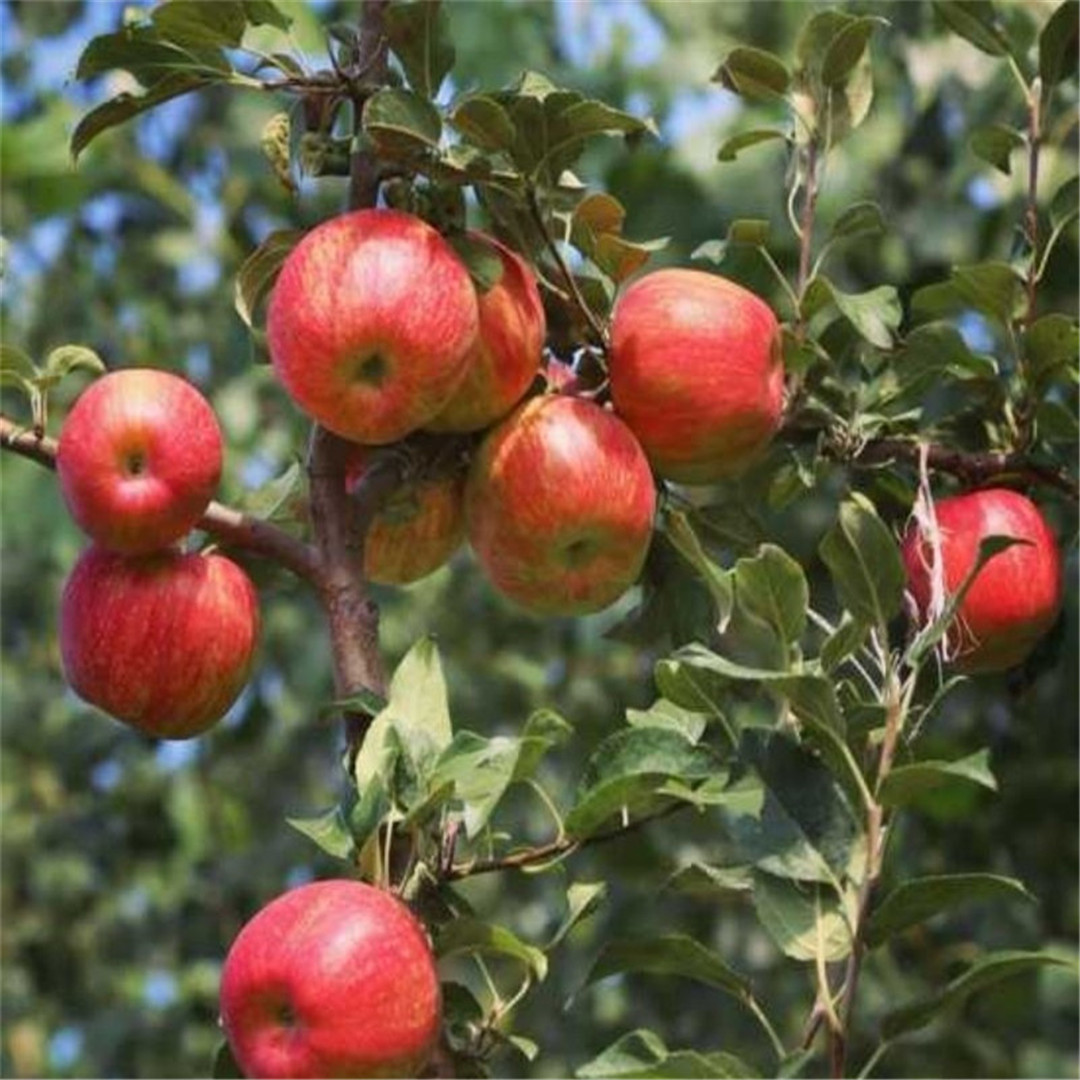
[780,746]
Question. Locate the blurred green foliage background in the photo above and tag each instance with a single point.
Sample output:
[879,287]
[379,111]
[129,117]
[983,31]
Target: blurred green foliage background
[128,866]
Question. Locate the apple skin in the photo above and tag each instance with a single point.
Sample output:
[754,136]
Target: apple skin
[506,357]
[697,373]
[332,979]
[371,323]
[559,506]
[139,459]
[163,642]
[1017,595]
[417,528]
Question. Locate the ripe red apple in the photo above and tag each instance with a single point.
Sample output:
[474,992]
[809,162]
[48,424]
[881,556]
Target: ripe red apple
[163,642]
[559,506]
[506,356]
[1016,596]
[417,528]
[371,323]
[332,979]
[139,459]
[696,372]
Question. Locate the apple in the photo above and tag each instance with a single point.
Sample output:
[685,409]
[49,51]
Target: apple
[417,528]
[559,506]
[1014,599]
[331,979]
[506,355]
[371,323]
[163,642]
[139,459]
[696,372]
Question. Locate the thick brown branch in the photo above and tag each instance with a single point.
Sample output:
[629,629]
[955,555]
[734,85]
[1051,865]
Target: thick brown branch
[225,523]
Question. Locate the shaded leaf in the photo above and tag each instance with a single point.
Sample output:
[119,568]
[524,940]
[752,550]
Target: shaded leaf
[680,533]
[275,496]
[669,954]
[481,259]
[224,1066]
[731,148]
[418,705]
[806,920]
[847,48]
[401,122]
[419,36]
[193,22]
[913,902]
[152,60]
[1064,204]
[864,562]
[483,121]
[995,144]
[1058,45]
[467,936]
[976,22]
[842,643]
[985,972]
[859,219]
[875,314]
[329,831]
[1049,346]
[256,277]
[772,587]
[707,882]
[916,784]
[642,1053]
[666,714]
[753,73]
[582,899]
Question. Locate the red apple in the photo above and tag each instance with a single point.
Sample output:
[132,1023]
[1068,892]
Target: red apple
[332,979]
[371,323]
[696,372]
[417,528]
[506,356]
[559,506]
[139,459]
[1016,596]
[163,642]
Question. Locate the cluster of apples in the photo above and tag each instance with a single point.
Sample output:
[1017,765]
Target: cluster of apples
[160,638]
[376,331]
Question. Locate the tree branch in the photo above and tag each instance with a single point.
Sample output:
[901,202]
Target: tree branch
[226,523]
[566,845]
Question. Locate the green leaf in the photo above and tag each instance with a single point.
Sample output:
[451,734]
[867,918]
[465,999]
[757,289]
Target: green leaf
[259,272]
[976,22]
[272,501]
[864,562]
[747,232]
[684,540]
[329,831]
[419,36]
[995,144]
[364,701]
[224,1066]
[706,881]
[917,784]
[401,122]
[754,74]
[193,22]
[806,920]
[483,261]
[913,902]
[123,107]
[265,13]
[937,349]
[847,48]
[669,954]
[17,369]
[1063,206]
[68,358]
[628,776]
[772,587]
[418,706]
[1058,46]
[731,148]
[151,59]
[666,714]
[802,825]
[985,972]
[1049,346]
[468,936]
[859,219]
[991,288]
[642,1054]
[483,121]
[842,643]
[875,314]
[582,900]
[1055,422]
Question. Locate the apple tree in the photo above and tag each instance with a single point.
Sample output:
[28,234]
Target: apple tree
[678,767]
